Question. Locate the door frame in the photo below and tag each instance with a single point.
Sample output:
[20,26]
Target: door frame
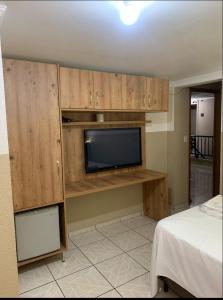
[216,135]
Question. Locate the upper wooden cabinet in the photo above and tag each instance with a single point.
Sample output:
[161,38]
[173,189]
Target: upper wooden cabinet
[157,94]
[76,88]
[81,89]
[108,92]
[34,133]
[135,93]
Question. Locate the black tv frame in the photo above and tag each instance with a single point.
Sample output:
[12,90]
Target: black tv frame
[113,167]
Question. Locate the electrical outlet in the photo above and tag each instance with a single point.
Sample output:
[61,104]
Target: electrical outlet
[185,139]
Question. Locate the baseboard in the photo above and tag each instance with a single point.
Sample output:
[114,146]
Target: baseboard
[179,208]
[106,218]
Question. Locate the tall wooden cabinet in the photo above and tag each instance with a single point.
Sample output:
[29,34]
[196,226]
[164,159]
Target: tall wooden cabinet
[34,133]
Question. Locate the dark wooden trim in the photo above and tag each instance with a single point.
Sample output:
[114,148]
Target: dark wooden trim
[217,134]
[189,144]
[217,143]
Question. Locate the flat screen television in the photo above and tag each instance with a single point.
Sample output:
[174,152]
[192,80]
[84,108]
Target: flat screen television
[112,148]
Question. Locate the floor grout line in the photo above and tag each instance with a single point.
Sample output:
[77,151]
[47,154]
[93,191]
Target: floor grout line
[119,293]
[39,286]
[105,293]
[55,280]
[132,280]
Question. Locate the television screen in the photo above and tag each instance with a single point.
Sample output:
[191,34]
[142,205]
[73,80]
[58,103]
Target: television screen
[112,148]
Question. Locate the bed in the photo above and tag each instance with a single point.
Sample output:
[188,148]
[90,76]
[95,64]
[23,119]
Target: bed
[187,249]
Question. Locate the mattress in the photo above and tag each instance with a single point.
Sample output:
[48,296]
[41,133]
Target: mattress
[187,249]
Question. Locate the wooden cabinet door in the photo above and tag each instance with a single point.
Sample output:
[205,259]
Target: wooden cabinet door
[157,94]
[107,90]
[142,93]
[117,93]
[76,89]
[165,95]
[101,95]
[34,133]
[135,92]
[154,94]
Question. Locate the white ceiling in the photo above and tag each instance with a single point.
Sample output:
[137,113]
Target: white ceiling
[196,96]
[172,39]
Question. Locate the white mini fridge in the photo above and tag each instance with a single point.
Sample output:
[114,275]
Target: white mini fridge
[37,232]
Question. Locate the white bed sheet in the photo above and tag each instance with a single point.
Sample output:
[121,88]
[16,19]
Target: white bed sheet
[187,248]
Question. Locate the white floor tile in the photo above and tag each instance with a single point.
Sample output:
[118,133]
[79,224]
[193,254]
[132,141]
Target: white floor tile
[33,276]
[112,229]
[147,231]
[51,290]
[100,251]
[74,261]
[120,269]
[137,288]
[111,294]
[128,240]
[86,238]
[137,222]
[88,283]
[143,255]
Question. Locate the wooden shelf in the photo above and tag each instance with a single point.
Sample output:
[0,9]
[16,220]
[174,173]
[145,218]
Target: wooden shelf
[104,183]
[105,123]
[37,206]
[32,260]
[112,110]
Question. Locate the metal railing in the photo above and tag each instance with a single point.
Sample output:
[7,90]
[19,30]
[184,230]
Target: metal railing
[201,146]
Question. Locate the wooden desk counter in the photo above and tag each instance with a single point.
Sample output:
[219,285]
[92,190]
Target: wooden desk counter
[154,189]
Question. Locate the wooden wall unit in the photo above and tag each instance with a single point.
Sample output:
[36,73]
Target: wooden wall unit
[73,144]
[81,89]
[34,133]
[78,183]
[47,156]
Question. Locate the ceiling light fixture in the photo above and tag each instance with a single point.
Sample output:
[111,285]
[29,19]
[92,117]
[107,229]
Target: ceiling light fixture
[130,11]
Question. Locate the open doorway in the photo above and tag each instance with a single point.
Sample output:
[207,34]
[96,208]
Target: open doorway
[205,137]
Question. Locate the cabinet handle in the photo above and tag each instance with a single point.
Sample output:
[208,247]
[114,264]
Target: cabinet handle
[91,98]
[149,100]
[97,98]
[58,167]
[144,101]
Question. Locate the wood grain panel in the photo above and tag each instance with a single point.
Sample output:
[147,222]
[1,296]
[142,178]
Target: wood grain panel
[165,95]
[114,181]
[117,93]
[76,88]
[135,92]
[155,199]
[101,94]
[34,133]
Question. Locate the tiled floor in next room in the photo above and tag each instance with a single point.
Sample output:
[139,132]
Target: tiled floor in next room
[109,260]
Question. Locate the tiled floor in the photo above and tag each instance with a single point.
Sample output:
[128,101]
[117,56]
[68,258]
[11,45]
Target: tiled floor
[106,261]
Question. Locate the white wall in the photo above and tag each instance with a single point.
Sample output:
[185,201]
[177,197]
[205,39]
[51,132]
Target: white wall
[8,261]
[205,124]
